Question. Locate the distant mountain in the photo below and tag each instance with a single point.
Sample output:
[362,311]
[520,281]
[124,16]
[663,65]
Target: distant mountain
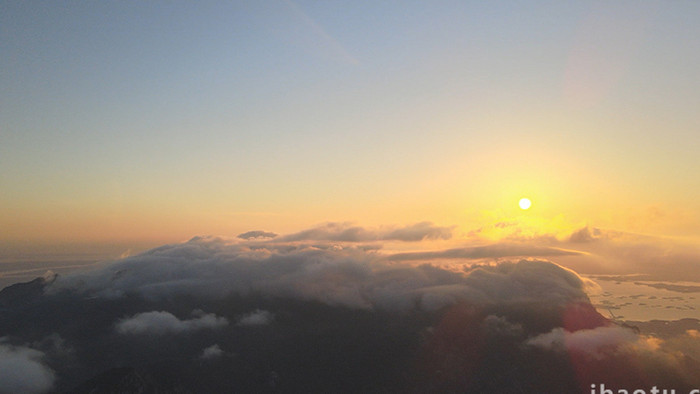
[27,292]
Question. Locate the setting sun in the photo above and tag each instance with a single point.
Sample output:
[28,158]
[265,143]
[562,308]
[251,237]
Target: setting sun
[524,203]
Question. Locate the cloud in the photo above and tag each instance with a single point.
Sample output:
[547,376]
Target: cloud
[166,323]
[335,275]
[619,253]
[490,251]
[211,352]
[256,318]
[344,232]
[418,232]
[584,235]
[55,346]
[256,234]
[617,354]
[486,326]
[22,370]
[591,341]
[687,343]
[500,326]
[672,287]
[529,280]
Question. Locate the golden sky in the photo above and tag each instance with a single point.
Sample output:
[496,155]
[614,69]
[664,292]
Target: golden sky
[142,123]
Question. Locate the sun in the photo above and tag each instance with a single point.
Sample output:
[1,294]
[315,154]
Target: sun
[525,203]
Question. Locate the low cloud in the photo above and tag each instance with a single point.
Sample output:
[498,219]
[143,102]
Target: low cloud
[22,370]
[585,235]
[256,235]
[672,287]
[492,323]
[619,253]
[618,353]
[337,275]
[592,341]
[418,232]
[256,318]
[211,352]
[489,251]
[344,232]
[166,323]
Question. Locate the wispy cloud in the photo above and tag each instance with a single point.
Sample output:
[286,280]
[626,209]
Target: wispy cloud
[317,37]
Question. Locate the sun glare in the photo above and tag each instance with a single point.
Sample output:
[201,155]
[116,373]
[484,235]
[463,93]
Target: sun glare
[524,203]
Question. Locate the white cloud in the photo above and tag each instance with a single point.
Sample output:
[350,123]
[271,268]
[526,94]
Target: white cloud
[165,322]
[23,371]
[594,342]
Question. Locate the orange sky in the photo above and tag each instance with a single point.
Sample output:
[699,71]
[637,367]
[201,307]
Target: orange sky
[282,116]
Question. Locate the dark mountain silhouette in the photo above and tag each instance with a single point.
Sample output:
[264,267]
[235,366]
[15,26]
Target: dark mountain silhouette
[27,292]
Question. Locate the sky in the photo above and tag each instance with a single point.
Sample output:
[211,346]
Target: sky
[216,186]
[146,123]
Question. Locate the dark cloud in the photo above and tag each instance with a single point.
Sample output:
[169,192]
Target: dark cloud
[256,235]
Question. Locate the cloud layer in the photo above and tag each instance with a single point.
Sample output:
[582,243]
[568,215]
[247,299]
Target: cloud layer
[333,274]
[306,310]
